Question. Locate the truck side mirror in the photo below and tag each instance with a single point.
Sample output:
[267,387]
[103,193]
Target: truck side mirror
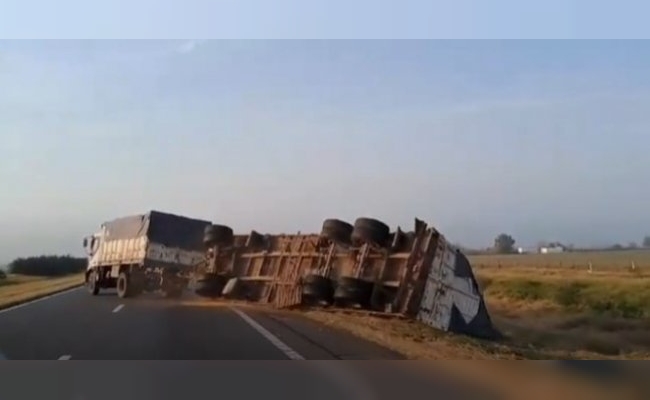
[85,242]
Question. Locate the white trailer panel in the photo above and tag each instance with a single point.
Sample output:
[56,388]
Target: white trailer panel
[452,300]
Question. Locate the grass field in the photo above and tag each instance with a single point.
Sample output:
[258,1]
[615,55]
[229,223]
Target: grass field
[556,302]
[16,289]
[547,306]
[599,260]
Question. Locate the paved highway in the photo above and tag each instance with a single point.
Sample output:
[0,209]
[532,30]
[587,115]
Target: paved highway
[75,326]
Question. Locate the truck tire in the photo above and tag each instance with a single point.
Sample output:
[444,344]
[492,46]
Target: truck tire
[352,291]
[123,285]
[317,289]
[256,240]
[219,235]
[385,297]
[91,283]
[337,231]
[371,231]
[211,285]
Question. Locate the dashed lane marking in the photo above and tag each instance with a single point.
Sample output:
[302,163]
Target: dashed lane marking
[65,357]
[118,308]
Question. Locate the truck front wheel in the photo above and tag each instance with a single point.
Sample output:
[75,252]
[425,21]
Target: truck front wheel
[123,283]
[91,283]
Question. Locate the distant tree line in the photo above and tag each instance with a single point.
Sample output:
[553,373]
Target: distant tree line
[505,244]
[47,265]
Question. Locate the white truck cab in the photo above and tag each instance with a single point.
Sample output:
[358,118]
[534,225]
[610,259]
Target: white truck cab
[91,243]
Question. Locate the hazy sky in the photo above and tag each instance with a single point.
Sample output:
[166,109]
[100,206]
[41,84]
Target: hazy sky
[324,19]
[546,140]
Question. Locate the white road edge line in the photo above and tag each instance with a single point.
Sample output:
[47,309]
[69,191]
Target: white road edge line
[4,310]
[279,344]
[65,357]
[118,308]
[336,371]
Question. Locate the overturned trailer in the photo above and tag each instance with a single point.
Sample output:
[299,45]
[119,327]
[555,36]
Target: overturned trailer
[416,274]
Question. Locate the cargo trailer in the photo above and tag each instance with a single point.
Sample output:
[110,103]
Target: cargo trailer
[149,252]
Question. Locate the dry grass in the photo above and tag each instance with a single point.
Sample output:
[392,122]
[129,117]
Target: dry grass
[16,289]
[509,380]
[615,293]
[600,314]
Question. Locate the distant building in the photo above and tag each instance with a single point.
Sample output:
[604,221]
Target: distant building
[552,249]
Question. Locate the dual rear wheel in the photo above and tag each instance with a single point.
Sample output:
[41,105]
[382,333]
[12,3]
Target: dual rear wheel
[364,230]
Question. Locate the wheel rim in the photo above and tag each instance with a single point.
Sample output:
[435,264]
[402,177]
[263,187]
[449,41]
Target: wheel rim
[121,285]
[91,281]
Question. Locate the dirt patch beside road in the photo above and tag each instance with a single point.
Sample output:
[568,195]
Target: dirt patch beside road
[548,337]
[415,340]
[511,381]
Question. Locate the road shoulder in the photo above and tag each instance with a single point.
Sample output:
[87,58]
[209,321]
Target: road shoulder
[316,341]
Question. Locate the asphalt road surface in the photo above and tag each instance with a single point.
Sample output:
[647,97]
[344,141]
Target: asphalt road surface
[76,326]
